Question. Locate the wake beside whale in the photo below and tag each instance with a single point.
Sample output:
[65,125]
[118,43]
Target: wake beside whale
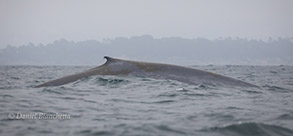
[115,66]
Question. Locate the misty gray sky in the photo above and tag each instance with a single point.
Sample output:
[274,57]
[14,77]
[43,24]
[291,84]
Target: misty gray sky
[24,21]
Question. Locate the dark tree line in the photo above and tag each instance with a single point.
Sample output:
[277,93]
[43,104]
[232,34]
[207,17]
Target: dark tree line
[174,50]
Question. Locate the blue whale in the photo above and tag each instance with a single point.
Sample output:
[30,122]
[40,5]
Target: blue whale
[114,66]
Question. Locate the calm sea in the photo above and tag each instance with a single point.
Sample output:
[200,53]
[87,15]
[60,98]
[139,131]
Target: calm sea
[125,105]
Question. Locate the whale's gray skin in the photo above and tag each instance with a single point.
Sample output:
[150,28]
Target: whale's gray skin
[115,66]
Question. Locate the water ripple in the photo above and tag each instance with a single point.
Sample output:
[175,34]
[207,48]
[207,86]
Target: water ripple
[127,105]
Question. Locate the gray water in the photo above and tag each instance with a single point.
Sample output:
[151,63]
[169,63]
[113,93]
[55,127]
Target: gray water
[125,105]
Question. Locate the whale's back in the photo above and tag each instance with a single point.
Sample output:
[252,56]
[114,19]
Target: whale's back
[153,70]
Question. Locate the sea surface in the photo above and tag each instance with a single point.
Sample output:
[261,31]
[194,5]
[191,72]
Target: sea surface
[126,105]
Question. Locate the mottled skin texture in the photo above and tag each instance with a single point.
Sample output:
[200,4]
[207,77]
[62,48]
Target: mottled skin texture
[154,70]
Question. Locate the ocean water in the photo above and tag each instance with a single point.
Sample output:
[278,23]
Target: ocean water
[125,105]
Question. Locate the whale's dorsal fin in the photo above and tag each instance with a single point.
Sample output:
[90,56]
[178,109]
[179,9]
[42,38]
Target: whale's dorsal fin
[110,59]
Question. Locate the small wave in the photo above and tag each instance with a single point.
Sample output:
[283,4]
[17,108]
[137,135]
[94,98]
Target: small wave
[276,88]
[170,130]
[51,91]
[168,94]
[90,132]
[269,87]
[185,92]
[69,98]
[252,90]
[273,72]
[111,80]
[288,116]
[182,90]
[99,80]
[234,108]
[252,129]
[206,87]
[15,78]
[122,100]
[164,101]
[198,94]
[6,96]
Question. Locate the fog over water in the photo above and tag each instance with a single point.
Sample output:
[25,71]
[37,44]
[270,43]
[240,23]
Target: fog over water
[45,21]
[174,50]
